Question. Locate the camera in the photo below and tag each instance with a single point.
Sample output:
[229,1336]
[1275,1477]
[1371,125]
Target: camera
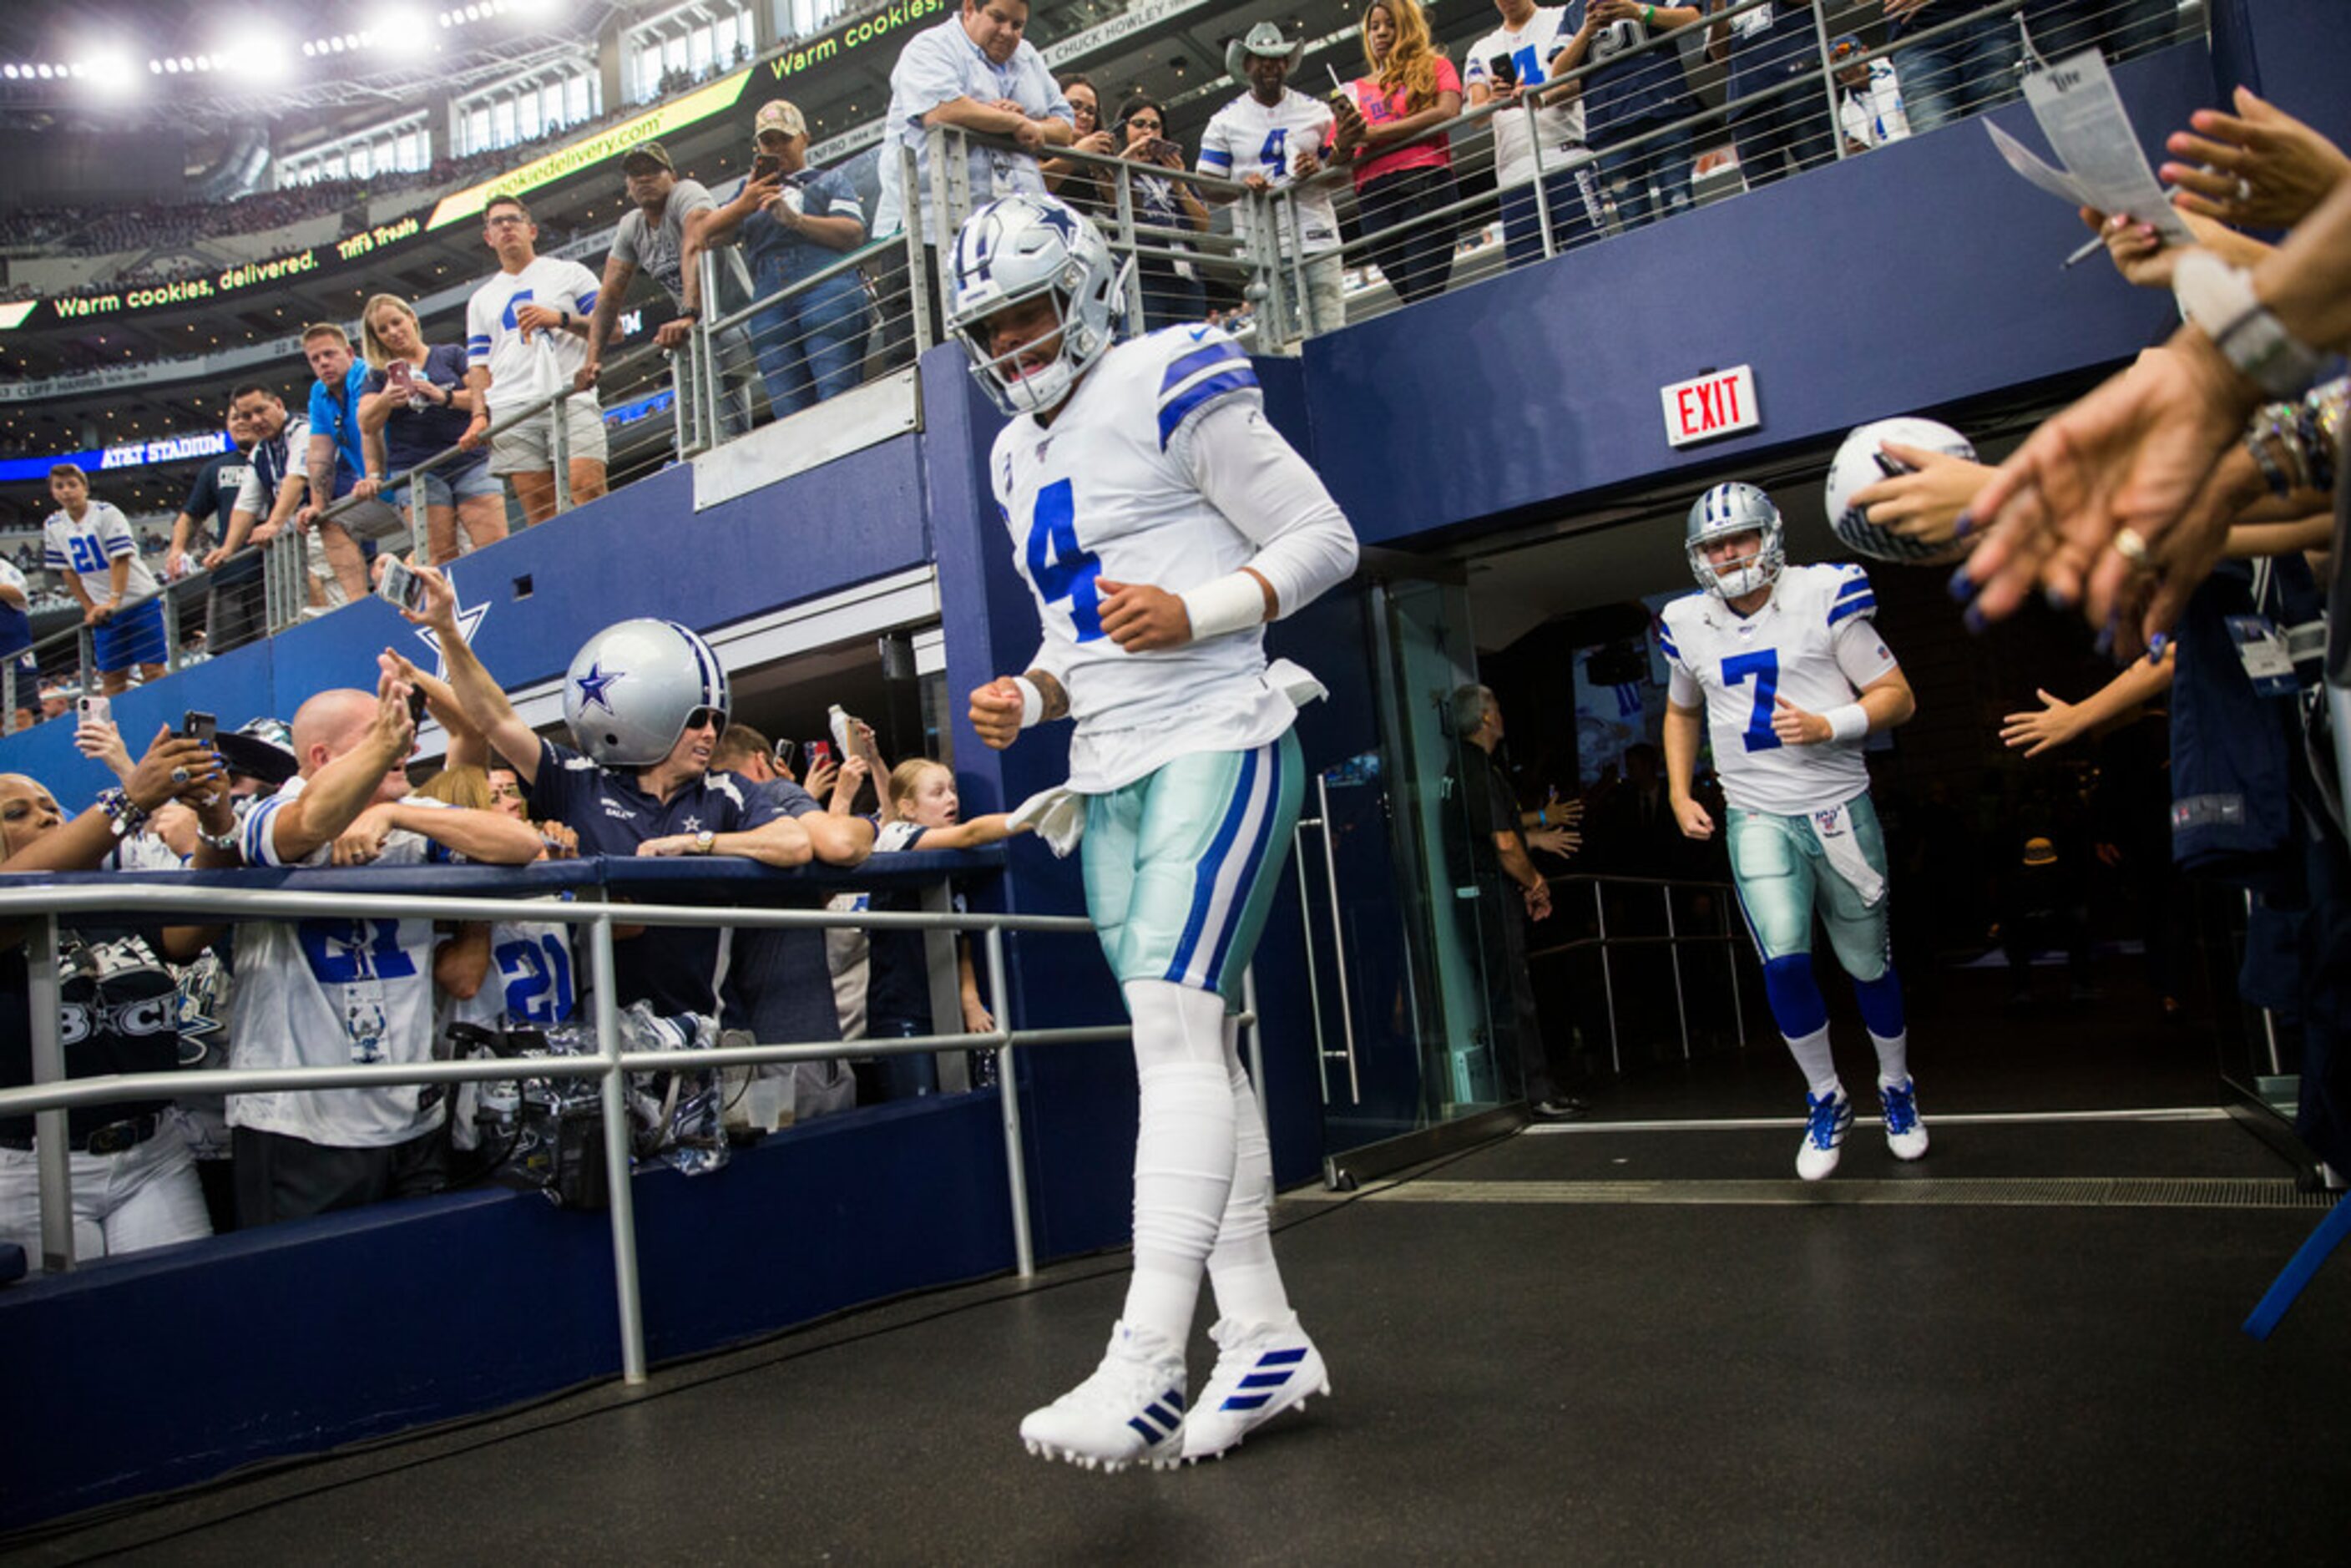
[94,710]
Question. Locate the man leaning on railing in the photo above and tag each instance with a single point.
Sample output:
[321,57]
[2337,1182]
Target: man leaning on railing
[330,992]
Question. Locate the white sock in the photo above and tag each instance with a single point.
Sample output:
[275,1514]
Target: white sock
[1241,1269]
[1811,1054]
[1893,1059]
[1183,1151]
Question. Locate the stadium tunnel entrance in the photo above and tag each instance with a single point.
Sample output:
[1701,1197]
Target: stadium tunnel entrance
[2115,992]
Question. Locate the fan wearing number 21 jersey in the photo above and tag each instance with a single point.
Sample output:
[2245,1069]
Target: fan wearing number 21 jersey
[1786,668]
[1160,522]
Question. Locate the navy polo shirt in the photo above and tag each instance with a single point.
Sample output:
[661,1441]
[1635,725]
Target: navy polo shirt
[1631,90]
[674,967]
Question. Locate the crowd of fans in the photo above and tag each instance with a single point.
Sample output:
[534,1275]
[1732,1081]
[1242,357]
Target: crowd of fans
[332,786]
[2138,503]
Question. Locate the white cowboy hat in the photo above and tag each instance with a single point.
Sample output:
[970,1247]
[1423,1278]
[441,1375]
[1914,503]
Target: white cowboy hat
[1265,40]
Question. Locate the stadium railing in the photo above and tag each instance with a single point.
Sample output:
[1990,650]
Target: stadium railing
[487,893]
[1674,938]
[705,389]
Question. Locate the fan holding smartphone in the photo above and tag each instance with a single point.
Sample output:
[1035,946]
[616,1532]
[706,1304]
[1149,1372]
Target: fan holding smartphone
[796,222]
[415,406]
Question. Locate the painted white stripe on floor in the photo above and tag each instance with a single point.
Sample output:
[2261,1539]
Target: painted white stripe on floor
[1979,1119]
[2026,1192]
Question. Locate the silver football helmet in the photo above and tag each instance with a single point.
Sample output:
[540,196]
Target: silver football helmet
[633,687]
[1733,508]
[1014,249]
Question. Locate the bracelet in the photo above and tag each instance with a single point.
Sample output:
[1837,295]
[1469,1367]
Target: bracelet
[1648,11]
[1850,721]
[223,841]
[2257,442]
[127,816]
[1032,702]
[2219,299]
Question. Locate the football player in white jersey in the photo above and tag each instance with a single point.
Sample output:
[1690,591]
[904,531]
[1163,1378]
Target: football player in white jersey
[1785,665]
[1160,522]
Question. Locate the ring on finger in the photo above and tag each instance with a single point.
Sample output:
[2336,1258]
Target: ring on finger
[180,776]
[2132,547]
[2244,189]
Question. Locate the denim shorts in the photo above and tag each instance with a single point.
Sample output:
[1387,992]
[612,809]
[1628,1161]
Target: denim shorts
[447,486]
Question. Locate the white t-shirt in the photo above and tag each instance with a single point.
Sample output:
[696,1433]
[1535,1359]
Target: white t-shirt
[1113,489]
[1815,643]
[1547,31]
[328,992]
[1247,137]
[89,547]
[521,372]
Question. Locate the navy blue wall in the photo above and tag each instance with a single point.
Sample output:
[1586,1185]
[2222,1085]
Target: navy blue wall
[1923,274]
[168,1368]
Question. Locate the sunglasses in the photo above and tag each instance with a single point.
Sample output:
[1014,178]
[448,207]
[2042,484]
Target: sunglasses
[707,717]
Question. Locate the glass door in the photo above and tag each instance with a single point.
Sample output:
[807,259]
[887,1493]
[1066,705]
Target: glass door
[1395,962]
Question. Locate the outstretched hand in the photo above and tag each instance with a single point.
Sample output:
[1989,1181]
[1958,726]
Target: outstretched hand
[2259,168]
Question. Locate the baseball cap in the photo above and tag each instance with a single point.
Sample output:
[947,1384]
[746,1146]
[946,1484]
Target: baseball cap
[779,114]
[263,749]
[651,153]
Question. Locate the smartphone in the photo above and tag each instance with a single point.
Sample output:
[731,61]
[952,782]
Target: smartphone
[195,725]
[764,164]
[818,752]
[401,587]
[95,710]
[416,704]
[1162,148]
[1505,72]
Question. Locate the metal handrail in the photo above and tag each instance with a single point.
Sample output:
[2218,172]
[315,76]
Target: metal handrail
[52,1093]
[1673,941]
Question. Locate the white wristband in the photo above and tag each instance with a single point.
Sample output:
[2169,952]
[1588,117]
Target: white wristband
[1233,602]
[1032,702]
[1850,721]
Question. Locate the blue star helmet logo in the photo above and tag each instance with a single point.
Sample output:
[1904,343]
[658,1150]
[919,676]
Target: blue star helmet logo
[594,685]
[1058,217]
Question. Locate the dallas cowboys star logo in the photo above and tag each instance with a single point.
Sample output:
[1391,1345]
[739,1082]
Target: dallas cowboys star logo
[594,685]
[1060,220]
[692,824]
[469,623]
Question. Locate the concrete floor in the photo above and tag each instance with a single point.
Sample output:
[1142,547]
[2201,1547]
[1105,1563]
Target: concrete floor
[1679,1378]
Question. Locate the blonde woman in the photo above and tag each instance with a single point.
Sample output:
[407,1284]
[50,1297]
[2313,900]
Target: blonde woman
[416,405]
[1402,175]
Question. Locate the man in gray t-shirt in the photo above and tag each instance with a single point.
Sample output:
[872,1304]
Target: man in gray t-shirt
[663,236]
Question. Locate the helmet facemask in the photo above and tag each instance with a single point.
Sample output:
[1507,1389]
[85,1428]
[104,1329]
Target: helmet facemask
[1722,512]
[1011,252]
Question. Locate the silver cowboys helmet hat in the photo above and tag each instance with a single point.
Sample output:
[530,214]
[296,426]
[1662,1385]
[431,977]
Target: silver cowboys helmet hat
[1736,507]
[633,687]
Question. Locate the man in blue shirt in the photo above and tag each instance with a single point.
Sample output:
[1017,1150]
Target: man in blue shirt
[646,701]
[337,461]
[974,70]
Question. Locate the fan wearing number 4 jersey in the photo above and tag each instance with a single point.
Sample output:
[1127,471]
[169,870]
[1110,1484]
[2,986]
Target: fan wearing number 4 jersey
[1160,522]
[1785,665]
[332,992]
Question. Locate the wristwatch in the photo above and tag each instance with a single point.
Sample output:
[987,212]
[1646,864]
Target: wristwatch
[703,841]
[2220,298]
[223,841]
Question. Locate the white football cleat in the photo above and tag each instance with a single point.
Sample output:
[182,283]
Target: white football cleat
[1262,1369]
[1130,1411]
[1906,1134]
[1827,1118]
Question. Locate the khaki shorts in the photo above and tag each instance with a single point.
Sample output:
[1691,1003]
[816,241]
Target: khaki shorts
[528,447]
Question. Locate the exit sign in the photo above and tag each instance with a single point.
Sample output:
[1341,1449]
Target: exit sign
[1716,403]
